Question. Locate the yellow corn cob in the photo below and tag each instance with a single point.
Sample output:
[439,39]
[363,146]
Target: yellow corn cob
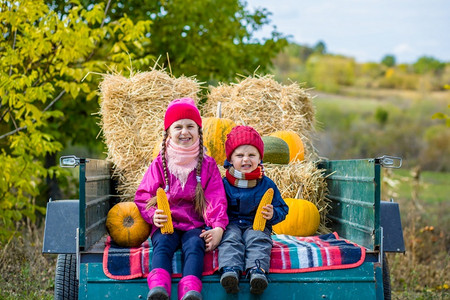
[260,223]
[163,203]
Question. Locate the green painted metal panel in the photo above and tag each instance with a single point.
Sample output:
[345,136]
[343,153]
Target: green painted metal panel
[82,215]
[356,283]
[95,200]
[354,191]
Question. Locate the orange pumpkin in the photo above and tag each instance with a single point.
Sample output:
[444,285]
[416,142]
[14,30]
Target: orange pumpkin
[296,149]
[215,132]
[126,226]
[303,218]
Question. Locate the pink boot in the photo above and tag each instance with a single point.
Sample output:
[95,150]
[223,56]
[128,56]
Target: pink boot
[190,288]
[159,282]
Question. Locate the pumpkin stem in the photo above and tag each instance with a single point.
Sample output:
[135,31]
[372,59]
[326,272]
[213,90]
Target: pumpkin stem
[219,109]
[128,221]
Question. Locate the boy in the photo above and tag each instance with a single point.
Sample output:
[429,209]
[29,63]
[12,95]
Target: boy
[242,248]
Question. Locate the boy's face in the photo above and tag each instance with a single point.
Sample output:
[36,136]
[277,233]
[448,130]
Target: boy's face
[245,158]
[184,132]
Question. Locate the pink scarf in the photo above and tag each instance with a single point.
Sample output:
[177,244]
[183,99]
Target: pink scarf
[181,161]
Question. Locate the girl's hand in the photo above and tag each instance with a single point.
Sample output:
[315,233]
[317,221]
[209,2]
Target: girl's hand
[267,211]
[212,238]
[159,218]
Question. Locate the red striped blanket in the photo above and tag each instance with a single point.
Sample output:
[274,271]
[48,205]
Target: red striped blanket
[289,255]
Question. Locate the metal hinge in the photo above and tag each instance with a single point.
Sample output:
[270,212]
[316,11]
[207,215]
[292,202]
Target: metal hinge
[388,161]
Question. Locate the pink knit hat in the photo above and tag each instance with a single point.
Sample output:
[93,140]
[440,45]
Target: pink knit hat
[183,108]
[243,135]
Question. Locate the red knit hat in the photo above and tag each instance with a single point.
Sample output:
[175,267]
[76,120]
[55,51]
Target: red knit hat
[183,108]
[243,135]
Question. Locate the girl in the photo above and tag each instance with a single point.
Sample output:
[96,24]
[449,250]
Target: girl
[196,197]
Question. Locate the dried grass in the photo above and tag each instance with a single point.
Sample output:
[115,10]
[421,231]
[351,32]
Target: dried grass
[268,106]
[132,113]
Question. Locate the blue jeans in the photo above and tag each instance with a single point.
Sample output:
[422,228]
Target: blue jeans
[192,251]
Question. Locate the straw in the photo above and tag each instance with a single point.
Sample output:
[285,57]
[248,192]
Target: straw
[268,106]
[132,113]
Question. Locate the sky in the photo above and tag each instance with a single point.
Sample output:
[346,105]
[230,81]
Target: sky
[366,30]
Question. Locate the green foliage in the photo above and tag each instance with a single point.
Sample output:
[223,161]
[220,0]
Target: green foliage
[212,48]
[361,128]
[211,39]
[311,65]
[388,60]
[320,48]
[381,115]
[441,115]
[290,63]
[396,78]
[45,56]
[427,64]
[436,152]
[327,72]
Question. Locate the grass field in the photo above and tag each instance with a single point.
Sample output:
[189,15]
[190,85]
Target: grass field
[422,272]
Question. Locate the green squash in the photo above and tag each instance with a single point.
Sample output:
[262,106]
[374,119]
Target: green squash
[276,151]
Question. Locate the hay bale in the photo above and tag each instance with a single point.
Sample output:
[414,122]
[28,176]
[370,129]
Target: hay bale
[300,180]
[132,113]
[266,105]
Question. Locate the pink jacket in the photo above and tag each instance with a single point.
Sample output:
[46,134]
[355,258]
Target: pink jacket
[181,202]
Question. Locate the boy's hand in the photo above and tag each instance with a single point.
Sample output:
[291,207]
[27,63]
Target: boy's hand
[159,218]
[267,211]
[212,238]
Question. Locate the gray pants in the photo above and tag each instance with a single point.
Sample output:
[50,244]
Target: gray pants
[240,248]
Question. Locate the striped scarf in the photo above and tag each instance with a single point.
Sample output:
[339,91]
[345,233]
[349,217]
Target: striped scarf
[243,180]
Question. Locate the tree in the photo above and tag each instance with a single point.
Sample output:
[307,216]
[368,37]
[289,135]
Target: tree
[211,39]
[50,53]
[45,57]
[328,73]
[388,60]
[427,64]
[320,48]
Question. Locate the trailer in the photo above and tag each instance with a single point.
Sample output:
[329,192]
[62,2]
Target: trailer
[76,231]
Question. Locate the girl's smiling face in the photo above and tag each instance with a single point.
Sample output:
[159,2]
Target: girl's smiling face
[184,132]
[245,158]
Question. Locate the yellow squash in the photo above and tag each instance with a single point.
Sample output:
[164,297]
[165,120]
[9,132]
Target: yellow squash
[215,132]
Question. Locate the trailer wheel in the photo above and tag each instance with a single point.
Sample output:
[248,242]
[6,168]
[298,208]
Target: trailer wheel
[386,279]
[66,283]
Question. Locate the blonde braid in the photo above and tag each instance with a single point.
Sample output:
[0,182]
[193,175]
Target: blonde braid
[164,161]
[200,200]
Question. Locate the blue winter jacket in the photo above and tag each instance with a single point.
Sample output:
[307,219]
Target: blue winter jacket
[243,203]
